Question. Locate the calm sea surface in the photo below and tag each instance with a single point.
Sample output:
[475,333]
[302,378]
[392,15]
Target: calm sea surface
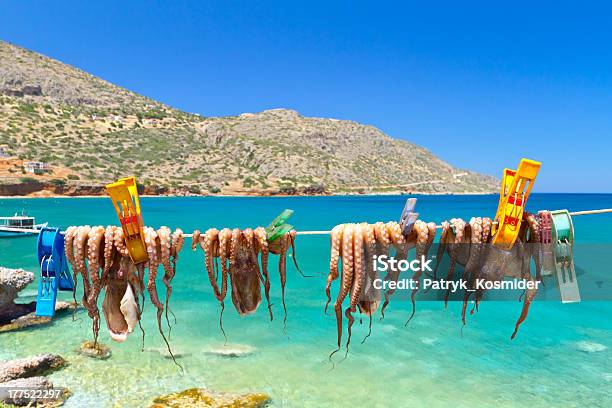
[562,356]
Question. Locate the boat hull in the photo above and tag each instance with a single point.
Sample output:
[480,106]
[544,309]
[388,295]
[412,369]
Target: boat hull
[5,232]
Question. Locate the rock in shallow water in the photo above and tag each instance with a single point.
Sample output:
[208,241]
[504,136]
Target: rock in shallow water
[202,398]
[30,319]
[232,350]
[34,383]
[31,366]
[99,350]
[12,281]
[589,346]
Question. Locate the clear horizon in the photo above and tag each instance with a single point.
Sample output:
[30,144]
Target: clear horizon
[479,86]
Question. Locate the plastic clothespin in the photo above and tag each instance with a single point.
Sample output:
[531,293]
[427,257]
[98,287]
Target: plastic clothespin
[279,227]
[54,271]
[516,187]
[408,217]
[124,195]
[563,249]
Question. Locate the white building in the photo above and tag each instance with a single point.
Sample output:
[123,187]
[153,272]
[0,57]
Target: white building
[36,167]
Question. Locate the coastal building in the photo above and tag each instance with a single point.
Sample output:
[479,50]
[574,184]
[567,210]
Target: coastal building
[36,167]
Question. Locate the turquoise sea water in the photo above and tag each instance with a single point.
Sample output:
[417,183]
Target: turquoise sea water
[562,356]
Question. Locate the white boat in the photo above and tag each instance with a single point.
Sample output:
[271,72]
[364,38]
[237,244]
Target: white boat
[19,226]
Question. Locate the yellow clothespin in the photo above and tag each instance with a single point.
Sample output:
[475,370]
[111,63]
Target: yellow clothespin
[124,195]
[516,187]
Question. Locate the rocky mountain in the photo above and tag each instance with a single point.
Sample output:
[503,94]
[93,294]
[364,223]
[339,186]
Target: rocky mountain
[92,132]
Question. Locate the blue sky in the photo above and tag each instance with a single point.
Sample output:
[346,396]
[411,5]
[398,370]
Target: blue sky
[480,85]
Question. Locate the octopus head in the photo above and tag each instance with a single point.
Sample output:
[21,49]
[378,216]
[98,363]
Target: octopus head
[120,308]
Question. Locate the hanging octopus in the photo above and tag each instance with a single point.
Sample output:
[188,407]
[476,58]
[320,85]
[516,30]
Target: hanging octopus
[402,245]
[261,246]
[369,299]
[533,251]
[95,247]
[425,237]
[455,240]
[336,252]
[154,251]
[280,247]
[474,265]
[80,256]
[177,241]
[473,262]
[346,281]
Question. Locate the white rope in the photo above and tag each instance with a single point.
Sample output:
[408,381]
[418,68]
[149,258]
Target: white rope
[574,214]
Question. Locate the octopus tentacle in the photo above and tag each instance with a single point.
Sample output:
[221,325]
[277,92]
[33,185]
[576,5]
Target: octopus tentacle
[80,255]
[422,231]
[209,242]
[120,243]
[399,242]
[165,246]
[195,239]
[336,251]
[359,276]
[472,265]
[178,240]
[225,238]
[282,270]
[69,251]
[487,225]
[347,278]
[459,226]
[291,236]
[530,293]
[529,296]
[152,243]
[444,237]
[95,239]
[370,296]
[262,246]
[109,246]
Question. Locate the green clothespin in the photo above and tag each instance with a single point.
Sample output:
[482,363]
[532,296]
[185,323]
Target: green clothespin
[279,227]
[563,249]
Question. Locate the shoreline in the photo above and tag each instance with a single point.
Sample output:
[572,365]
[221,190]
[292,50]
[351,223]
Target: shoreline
[395,193]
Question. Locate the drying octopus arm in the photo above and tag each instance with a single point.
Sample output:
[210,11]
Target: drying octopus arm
[347,278]
[336,251]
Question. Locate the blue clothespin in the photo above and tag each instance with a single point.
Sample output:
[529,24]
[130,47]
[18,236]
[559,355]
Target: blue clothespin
[408,217]
[54,272]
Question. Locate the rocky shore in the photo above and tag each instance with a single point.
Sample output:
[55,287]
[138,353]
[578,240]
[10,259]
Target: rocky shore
[29,373]
[14,315]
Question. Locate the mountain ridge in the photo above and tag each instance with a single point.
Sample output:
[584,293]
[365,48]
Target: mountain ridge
[91,131]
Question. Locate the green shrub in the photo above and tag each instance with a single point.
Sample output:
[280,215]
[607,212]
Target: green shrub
[27,180]
[57,182]
[73,177]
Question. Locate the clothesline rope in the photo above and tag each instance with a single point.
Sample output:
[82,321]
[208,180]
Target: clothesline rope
[573,214]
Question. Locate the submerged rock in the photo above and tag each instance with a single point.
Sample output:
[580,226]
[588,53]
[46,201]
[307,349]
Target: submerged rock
[232,350]
[203,398]
[589,346]
[30,319]
[34,383]
[98,350]
[163,351]
[12,281]
[30,367]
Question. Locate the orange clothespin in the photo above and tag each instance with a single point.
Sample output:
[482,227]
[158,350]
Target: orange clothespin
[124,195]
[516,187]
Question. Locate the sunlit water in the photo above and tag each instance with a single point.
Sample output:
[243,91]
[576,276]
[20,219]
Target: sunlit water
[561,357]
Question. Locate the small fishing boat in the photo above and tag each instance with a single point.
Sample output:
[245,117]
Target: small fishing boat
[19,226]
